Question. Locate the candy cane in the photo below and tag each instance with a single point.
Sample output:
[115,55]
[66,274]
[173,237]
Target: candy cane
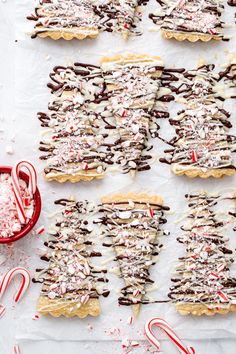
[168,330]
[8,277]
[16,186]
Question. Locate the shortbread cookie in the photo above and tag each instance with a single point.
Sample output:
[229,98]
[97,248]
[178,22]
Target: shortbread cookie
[203,145]
[203,284]
[132,223]
[73,145]
[70,282]
[190,20]
[132,82]
[65,19]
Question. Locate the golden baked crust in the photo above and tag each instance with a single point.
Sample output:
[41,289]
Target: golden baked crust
[58,307]
[61,178]
[191,37]
[141,197]
[131,58]
[200,309]
[192,173]
[80,33]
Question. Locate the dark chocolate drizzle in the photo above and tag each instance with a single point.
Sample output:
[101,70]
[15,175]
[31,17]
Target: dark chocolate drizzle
[202,276]
[133,229]
[70,275]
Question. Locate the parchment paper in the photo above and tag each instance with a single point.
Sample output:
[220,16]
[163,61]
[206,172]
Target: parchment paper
[33,61]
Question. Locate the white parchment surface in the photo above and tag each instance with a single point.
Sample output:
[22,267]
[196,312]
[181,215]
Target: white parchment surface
[33,61]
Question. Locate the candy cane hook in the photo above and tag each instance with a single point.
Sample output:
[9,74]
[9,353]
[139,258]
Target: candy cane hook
[16,186]
[169,331]
[8,276]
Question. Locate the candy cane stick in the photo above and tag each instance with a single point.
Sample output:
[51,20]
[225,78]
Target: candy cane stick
[168,330]
[8,277]
[16,186]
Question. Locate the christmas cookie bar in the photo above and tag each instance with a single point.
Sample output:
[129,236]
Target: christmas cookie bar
[203,145]
[132,82]
[64,19]
[190,20]
[203,284]
[70,282]
[132,225]
[73,144]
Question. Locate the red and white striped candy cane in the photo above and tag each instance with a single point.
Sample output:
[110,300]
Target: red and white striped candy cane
[8,277]
[16,186]
[169,331]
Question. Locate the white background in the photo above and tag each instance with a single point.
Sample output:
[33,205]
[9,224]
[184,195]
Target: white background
[25,66]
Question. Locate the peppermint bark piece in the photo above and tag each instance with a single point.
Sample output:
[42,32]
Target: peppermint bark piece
[70,282]
[190,20]
[132,82]
[74,142]
[203,284]
[65,19]
[132,223]
[203,145]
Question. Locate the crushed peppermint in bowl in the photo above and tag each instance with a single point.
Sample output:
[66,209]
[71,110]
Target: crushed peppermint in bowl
[20,202]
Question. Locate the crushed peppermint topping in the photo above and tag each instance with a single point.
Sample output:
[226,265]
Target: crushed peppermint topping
[9,220]
[135,241]
[70,275]
[203,274]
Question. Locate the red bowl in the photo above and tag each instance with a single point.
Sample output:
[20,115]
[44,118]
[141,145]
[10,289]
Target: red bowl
[37,209]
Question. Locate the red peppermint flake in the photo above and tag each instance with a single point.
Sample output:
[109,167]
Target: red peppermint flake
[223,296]
[221,267]
[134,344]
[123,112]
[214,275]
[130,320]
[126,25]
[150,212]
[212,31]
[194,156]
[136,292]
[85,166]
[40,230]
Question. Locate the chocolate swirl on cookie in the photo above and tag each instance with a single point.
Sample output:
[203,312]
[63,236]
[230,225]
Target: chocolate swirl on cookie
[202,145]
[133,83]
[70,282]
[75,144]
[132,226]
[190,19]
[203,284]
